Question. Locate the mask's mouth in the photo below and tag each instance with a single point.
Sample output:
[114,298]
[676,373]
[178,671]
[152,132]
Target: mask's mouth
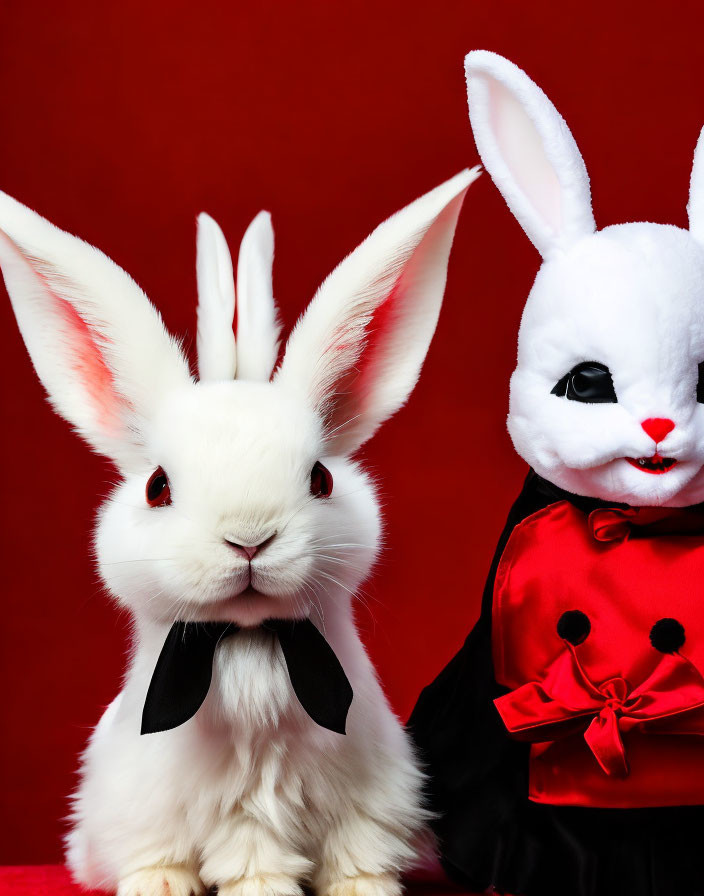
[655,464]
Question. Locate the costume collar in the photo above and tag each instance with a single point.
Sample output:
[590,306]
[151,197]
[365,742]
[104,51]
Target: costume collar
[554,494]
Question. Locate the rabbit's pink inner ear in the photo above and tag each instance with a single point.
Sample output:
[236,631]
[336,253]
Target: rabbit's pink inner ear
[66,340]
[355,388]
[523,152]
[89,365]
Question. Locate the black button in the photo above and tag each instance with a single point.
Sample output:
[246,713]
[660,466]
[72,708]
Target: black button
[574,626]
[667,635]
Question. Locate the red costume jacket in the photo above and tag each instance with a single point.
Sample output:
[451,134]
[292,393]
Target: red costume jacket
[563,742]
[598,630]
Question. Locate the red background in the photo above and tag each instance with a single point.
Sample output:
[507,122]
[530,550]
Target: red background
[121,121]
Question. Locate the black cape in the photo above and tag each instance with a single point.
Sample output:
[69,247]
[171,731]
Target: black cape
[489,833]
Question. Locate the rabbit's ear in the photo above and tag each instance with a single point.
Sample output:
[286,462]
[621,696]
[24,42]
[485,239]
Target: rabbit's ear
[358,348]
[257,325]
[217,356]
[695,208]
[529,152]
[97,344]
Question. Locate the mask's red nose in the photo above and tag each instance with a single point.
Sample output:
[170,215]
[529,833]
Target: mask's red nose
[658,427]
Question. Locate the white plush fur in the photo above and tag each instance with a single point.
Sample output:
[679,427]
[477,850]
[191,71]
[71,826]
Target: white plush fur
[695,208]
[629,296]
[529,151]
[249,795]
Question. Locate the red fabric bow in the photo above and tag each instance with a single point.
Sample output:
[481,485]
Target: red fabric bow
[619,523]
[566,700]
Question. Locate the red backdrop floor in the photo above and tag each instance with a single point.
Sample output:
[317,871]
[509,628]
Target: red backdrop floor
[38,880]
[54,880]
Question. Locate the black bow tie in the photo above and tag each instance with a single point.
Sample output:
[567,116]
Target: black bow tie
[184,670]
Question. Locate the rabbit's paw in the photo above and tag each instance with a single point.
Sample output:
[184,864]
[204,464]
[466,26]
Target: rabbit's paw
[169,880]
[364,885]
[262,885]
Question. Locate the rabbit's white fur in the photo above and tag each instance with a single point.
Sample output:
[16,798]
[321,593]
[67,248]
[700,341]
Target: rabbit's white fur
[629,296]
[257,324]
[254,354]
[217,352]
[249,795]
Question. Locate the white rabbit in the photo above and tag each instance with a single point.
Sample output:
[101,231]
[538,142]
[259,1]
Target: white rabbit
[239,525]
[630,297]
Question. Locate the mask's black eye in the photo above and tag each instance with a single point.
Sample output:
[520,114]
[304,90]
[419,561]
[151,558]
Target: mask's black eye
[589,382]
[700,383]
[320,481]
[158,489]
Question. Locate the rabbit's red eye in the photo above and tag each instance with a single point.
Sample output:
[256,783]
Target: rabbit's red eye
[320,481]
[158,489]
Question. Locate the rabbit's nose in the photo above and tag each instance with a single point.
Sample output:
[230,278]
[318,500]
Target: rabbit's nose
[658,427]
[249,550]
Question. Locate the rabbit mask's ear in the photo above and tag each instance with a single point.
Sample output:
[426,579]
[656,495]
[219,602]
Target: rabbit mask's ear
[695,208]
[529,152]
[257,324]
[97,344]
[358,349]
[252,355]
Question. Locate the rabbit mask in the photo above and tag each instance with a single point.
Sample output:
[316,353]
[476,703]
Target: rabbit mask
[606,398]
